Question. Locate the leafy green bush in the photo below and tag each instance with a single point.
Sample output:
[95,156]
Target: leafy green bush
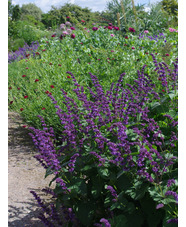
[15,44]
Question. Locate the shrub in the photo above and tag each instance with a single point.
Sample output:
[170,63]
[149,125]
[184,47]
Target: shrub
[115,162]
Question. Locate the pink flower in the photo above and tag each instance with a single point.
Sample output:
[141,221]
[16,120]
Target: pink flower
[167,55]
[52,86]
[25,97]
[133,48]
[146,31]
[36,80]
[24,126]
[73,36]
[83,21]
[172,29]
[126,37]
[72,28]
[65,33]
[23,75]
[43,108]
[112,50]
[112,35]
[21,109]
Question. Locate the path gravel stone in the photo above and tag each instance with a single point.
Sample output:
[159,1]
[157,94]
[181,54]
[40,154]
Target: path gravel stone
[24,174]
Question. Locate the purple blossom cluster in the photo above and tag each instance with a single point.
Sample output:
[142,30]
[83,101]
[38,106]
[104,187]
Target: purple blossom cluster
[171,193]
[114,111]
[156,38]
[166,75]
[113,193]
[43,141]
[114,126]
[105,222]
[52,217]
[23,52]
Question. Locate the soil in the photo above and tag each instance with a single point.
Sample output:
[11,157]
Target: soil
[24,174]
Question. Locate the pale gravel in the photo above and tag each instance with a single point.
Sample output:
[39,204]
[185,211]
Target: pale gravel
[24,174]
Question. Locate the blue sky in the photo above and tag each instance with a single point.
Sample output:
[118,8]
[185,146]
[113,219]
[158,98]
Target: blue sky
[95,5]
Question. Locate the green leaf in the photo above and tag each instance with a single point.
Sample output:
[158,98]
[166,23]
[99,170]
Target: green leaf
[103,172]
[119,221]
[85,212]
[123,182]
[49,171]
[173,94]
[138,190]
[97,186]
[153,216]
[156,196]
[78,186]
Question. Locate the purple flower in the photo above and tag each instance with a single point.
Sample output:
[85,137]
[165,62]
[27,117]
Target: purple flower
[106,222]
[171,193]
[112,191]
[159,206]
[170,182]
[173,220]
[62,183]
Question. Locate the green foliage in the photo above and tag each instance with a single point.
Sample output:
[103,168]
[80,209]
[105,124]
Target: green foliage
[58,15]
[171,7]
[16,13]
[31,9]
[15,44]
[32,21]
[10,8]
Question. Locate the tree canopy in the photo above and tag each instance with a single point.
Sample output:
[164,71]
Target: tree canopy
[32,10]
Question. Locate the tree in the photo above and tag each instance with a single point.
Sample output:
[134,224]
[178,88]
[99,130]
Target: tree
[31,9]
[10,8]
[170,6]
[16,13]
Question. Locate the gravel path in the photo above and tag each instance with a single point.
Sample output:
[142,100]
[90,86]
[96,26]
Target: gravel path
[24,174]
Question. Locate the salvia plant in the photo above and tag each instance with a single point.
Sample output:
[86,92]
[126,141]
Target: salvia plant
[24,52]
[115,161]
